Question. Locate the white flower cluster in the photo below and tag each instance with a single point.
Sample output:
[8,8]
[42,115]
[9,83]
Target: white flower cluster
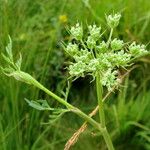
[92,55]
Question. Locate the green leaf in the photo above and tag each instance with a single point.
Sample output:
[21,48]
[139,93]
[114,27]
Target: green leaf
[7,71]
[39,105]
[57,114]
[43,105]
[9,49]
[19,61]
[7,59]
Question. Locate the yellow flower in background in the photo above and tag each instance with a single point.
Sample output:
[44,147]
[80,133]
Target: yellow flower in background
[63,18]
[23,37]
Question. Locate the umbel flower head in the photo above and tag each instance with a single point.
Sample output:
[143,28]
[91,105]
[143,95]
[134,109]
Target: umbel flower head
[92,55]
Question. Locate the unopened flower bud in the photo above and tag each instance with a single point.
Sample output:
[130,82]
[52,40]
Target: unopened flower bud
[77,32]
[102,47]
[113,20]
[94,31]
[93,65]
[83,56]
[72,49]
[137,50]
[91,43]
[109,79]
[116,44]
[77,69]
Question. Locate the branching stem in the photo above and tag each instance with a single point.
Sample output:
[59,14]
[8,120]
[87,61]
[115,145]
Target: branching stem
[101,128]
[65,103]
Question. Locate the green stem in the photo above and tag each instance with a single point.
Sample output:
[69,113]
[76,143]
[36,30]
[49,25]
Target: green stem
[109,39]
[99,90]
[83,44]
[107,139]
[59,99]
[88,119]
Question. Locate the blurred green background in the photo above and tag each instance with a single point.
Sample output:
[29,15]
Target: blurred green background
[37,28]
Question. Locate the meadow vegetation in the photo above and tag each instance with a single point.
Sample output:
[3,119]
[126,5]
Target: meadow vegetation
[37,29]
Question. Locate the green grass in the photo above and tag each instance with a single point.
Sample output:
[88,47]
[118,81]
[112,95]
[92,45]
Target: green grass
[36,32]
